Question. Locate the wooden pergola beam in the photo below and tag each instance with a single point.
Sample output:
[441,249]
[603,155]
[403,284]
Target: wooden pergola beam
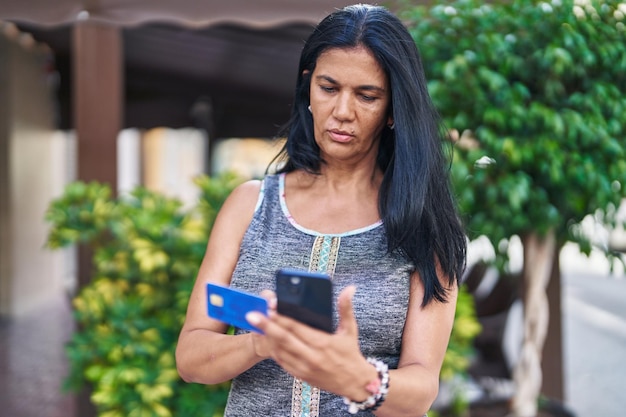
[98,90]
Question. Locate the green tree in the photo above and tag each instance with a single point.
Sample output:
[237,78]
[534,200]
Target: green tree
[537,91]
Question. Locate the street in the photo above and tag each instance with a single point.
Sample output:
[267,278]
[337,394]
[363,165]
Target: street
[594,308]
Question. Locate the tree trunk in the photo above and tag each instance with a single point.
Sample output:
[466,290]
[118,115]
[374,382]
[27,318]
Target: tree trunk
[552,363]
[538,258]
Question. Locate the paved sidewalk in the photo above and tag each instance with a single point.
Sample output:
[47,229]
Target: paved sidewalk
[33,363]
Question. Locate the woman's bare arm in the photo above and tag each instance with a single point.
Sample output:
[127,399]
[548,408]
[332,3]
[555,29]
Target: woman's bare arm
[415,384]
[205,354]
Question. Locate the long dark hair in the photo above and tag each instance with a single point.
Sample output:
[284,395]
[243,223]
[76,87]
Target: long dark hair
[415,199]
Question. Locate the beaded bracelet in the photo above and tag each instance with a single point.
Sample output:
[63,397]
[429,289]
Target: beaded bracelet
[378,388]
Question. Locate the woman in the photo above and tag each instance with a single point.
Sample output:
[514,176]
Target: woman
[363,195]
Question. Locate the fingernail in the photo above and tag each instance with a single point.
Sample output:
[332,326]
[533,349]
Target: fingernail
[253,318]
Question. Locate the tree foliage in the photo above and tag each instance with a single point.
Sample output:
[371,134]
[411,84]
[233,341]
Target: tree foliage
[539,90]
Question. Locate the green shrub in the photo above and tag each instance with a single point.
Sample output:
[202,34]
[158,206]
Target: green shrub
[147,251]
[461,349]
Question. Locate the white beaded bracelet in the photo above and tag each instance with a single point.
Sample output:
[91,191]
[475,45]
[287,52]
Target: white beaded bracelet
[374,401]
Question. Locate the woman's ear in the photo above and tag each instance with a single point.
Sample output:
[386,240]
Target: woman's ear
[390,123]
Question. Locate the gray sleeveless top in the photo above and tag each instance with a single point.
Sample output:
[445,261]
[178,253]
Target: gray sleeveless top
[274,240]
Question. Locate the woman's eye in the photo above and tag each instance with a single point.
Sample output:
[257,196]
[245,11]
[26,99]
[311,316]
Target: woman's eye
[327,89]
[368,98]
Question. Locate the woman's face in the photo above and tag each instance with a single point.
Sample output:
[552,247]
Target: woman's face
[349,102]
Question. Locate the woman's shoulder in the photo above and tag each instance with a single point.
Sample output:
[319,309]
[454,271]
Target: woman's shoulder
[245,194]
[248,196]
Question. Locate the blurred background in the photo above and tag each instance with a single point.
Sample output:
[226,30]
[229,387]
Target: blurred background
[156,93]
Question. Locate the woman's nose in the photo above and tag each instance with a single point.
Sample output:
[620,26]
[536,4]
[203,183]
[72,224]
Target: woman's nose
[344,107]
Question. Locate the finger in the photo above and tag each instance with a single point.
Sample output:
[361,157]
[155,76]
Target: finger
[293,328]
[347,321]
[294,338]
[288,350]
[258,320]
[270,296]
[300,330]
[296,356]
[284,331]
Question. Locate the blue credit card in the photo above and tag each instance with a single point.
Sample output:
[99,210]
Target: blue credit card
[230,306]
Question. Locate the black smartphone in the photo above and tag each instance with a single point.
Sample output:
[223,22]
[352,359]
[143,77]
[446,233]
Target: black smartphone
[306,297]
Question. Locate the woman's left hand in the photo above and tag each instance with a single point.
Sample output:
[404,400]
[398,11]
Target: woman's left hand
[331,362]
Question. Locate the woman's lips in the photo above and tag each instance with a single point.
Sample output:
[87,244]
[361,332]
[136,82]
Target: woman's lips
[340,135]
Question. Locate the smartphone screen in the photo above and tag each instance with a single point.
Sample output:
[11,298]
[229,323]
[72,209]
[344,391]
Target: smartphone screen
[306,297]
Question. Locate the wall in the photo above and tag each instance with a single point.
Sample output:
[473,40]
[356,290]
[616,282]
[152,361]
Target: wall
[33,166]
[249,157]
[171,159]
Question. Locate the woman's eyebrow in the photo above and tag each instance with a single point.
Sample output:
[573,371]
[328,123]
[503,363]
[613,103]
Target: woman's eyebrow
[326,78]
[366,87]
